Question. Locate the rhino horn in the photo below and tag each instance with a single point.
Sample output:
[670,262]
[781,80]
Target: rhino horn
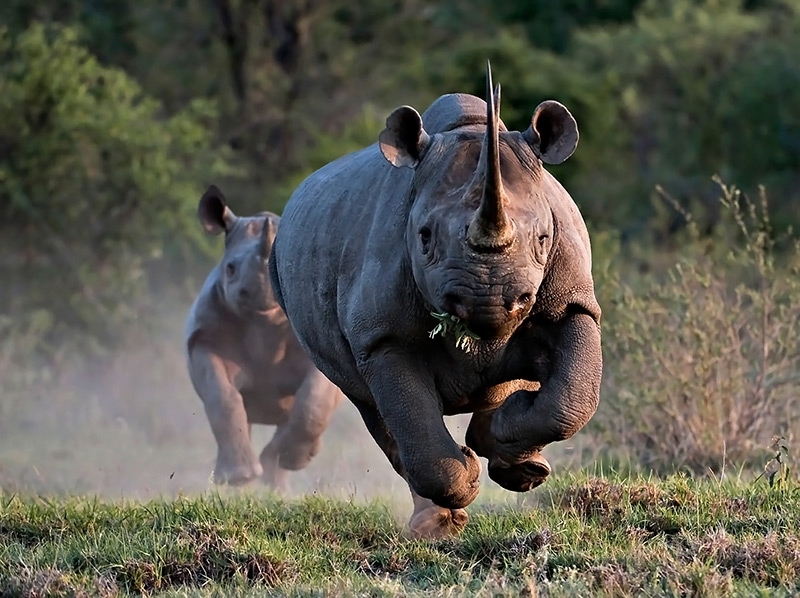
[263,241]
[490,228]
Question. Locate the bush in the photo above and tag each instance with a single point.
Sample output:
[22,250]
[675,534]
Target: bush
[702,366]
[686,89]
[96,184]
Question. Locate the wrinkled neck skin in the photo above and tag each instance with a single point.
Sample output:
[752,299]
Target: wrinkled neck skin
[487,290]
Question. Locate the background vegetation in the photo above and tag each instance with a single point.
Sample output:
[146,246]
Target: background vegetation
[115,115]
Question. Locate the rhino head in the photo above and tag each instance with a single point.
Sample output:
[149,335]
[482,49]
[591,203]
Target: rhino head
[243,275]
[481,230]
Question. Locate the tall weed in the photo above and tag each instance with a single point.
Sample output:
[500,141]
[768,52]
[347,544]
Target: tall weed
[703,362]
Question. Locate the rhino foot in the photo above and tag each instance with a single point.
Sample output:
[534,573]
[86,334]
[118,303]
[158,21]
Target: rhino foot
[435,522]
[236,475]
[236,468]
[520,477]
[298,455]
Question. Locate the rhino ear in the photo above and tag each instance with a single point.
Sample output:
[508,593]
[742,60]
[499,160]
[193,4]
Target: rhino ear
[214,213]
[553,132]
[403,140]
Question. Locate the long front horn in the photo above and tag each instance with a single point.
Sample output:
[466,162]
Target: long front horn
[490,228]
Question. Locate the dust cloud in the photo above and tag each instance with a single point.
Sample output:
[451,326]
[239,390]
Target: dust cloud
[132,427]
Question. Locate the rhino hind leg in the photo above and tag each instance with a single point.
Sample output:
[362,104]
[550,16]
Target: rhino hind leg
[521,476]
[297,441]
[274,476]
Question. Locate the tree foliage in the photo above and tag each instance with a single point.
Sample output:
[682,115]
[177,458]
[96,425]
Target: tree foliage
[95,182]
[114,114]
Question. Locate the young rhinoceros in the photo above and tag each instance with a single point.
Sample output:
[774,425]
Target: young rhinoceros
[244,360]
[444,271]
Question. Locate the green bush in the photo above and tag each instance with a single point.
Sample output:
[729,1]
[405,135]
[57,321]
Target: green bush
[96,185]
[702,365]
[686,89]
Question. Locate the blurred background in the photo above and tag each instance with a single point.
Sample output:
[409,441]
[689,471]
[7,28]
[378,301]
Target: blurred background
[115,115]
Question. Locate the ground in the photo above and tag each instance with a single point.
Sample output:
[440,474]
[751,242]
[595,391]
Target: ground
[105,491]
[580,534]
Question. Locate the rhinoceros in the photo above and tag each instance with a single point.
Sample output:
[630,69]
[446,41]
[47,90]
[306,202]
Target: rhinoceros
[443,271]
[244,360]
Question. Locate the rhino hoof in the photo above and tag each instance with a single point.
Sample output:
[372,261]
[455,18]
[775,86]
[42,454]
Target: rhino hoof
[436,522]
[237,476]
[520,477]
[300,454]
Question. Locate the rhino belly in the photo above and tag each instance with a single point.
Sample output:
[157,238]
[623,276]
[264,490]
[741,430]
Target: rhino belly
[266,408]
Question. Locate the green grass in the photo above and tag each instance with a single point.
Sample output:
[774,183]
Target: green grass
[577,535]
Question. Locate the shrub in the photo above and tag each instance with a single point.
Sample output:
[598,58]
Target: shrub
[703,364]
[96,184]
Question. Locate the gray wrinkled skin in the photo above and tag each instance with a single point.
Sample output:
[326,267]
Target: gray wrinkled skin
[245,362]
[455,216]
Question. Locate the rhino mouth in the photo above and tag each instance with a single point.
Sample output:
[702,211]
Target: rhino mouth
[485,325]
[488,317]
[260,306]
[451,325]
[493,325]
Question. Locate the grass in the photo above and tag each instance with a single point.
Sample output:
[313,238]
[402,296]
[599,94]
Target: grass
[579,535]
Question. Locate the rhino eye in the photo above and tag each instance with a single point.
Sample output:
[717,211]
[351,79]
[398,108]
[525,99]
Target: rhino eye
[425,238]
[230,269]
[543,239]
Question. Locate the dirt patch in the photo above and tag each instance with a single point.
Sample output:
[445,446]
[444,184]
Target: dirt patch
[54,583]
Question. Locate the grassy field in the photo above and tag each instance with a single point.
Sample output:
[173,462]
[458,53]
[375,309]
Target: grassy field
[580,534]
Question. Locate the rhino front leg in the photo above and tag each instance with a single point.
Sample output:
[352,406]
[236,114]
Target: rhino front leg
[435,466]
[429,520]
[517,477]
[567,400]
[236,463]
[298,440]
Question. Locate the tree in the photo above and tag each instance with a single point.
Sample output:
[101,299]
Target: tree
[95,184]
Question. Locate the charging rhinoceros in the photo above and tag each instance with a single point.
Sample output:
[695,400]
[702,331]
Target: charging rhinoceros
[244,360]
[440,271]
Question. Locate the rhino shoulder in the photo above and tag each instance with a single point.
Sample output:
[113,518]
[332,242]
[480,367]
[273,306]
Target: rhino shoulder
[207,311]
[568,284]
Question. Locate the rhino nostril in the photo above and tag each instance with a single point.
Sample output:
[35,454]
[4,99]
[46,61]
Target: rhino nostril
[521,303]
[453,304]
[244,294]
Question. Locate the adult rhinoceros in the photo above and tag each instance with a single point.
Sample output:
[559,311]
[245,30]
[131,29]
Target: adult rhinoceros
[440,271]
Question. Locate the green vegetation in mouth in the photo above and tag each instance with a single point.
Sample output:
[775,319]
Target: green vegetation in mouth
[449,323]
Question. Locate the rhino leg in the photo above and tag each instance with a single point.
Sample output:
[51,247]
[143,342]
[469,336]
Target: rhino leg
[517,477]
[527,421]
[435,466]
[298,440]
[236,464]
[428,521]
